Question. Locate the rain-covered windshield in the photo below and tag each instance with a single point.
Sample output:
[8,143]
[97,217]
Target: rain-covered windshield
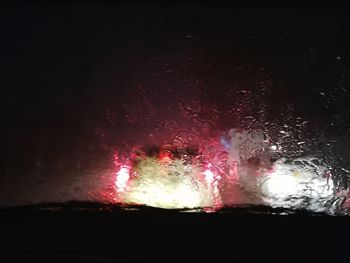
[175,107]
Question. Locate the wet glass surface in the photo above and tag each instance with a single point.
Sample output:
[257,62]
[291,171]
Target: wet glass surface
[176,107]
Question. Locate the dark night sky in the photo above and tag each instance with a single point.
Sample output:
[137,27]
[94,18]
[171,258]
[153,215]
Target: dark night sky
[71,74]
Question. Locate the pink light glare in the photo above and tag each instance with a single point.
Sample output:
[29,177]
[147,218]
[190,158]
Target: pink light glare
[212,180]
[122,175]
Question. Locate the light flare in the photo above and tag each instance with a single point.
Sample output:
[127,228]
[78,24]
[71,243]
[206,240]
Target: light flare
[167,180]
[166,185]
[122,178]
[209,176]
[294,181]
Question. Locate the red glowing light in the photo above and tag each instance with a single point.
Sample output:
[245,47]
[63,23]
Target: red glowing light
[165,156]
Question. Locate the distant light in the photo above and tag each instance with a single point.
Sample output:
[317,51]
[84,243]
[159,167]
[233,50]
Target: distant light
[273,148]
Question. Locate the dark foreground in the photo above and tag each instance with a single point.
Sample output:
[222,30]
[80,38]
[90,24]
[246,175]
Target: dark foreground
[99,233]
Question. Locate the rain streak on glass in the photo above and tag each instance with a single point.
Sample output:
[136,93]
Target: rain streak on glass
[226,150]
[178,108]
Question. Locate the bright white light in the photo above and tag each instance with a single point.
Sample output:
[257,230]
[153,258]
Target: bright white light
[209,176]
[122,178]
[295,181]
[173,185]
[159,195]
[281,185]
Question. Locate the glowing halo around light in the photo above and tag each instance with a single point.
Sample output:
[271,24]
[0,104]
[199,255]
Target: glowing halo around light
[174,185]
[123,176]
[166,181]
[289,184]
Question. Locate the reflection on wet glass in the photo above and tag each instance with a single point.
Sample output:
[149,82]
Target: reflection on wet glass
[240,172]
[212,157]
[200,119]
